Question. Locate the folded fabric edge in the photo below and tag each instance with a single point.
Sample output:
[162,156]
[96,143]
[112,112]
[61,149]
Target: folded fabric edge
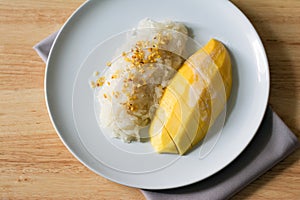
[44,46]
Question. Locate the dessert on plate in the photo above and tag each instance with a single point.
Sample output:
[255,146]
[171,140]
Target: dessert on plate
[151,84]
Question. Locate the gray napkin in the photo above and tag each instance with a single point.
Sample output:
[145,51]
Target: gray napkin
[271,144]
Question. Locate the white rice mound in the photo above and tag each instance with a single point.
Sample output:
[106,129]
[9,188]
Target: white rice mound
[135,80]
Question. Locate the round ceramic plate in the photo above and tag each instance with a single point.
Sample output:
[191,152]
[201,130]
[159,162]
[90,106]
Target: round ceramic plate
[70,100]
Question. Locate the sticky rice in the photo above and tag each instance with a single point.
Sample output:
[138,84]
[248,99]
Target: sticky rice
[135,80]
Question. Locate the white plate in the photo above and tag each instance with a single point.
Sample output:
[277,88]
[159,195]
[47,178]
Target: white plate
[72,113]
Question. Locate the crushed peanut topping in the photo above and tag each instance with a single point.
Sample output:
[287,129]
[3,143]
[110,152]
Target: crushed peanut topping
[130,106]
[96,73]
[142,54]
[100,81]
[114,76]
[116,94]
[144,81]
[92,84]
[117,72]
[108,64]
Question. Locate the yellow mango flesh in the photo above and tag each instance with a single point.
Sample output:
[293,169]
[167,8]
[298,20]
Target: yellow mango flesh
[194,98]
[160,139]
[171,116]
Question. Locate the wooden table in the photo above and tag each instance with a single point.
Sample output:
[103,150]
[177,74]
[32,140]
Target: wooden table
[34,164]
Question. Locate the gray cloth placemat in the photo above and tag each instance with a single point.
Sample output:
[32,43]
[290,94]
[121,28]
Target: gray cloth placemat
[272,143]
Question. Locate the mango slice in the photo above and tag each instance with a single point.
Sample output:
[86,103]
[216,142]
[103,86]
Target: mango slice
[195,97]
[160,138]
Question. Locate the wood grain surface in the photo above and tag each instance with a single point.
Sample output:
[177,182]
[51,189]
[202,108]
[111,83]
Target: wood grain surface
[34,164]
